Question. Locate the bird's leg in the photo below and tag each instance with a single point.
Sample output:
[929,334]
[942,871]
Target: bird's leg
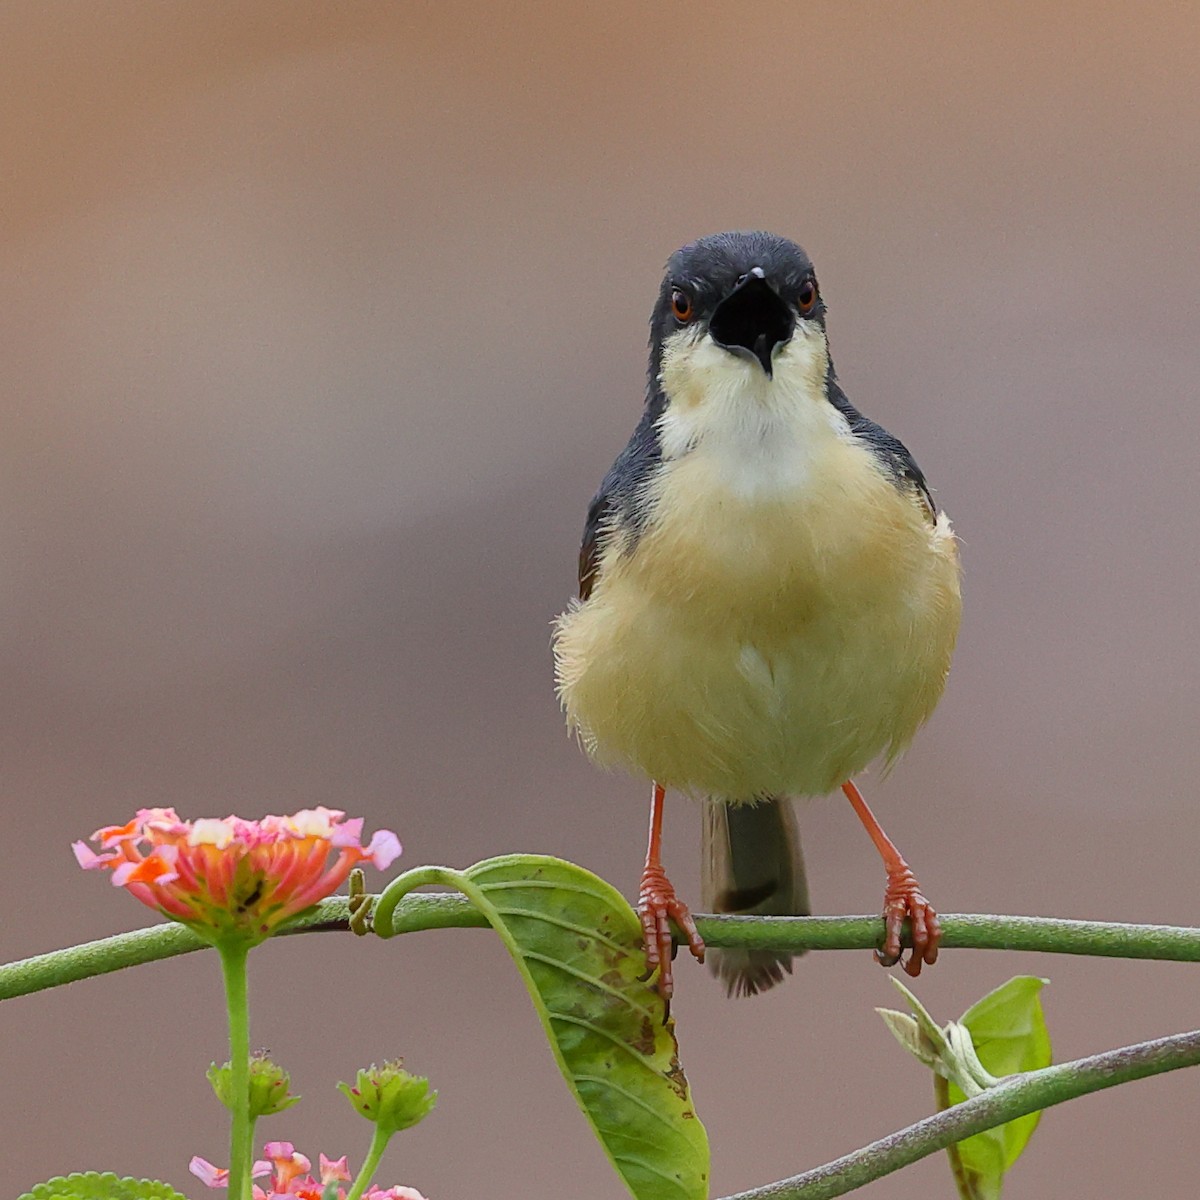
[657,904]
[902,898]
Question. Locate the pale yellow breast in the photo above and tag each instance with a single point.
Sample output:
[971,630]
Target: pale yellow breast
[764,640]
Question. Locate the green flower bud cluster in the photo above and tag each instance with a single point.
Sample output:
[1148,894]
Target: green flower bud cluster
[269,1086]
[390,1097]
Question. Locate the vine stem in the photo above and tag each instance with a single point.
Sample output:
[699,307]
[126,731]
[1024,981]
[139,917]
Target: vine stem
[1015,1097]
[1050,935]
[941,1094]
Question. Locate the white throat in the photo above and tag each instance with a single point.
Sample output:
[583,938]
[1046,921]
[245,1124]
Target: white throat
[759,436]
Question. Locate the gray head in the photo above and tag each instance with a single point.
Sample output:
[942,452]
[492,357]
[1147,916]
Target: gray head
[750,292]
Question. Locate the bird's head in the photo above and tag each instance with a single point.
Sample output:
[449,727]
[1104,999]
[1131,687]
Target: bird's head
[735,309]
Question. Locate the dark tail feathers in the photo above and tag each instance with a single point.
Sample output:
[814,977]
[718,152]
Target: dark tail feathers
[751,864]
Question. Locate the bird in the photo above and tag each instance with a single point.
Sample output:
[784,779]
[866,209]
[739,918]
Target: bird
[768,601]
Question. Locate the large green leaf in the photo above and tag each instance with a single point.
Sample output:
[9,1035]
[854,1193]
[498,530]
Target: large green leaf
[578,946]
[92,1185]
[1009,1034]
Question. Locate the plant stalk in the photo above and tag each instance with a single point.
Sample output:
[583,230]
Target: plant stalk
[233,966]
[1015,1097]
[973,931]
[941,1093]
[379,1141]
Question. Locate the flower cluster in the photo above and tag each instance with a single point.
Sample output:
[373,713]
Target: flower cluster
[292,1179]
[231,879]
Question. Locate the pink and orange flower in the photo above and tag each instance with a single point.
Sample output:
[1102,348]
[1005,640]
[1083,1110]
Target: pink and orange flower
[232,879]
[291,1177]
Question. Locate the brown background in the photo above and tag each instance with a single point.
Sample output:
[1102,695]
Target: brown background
[319,324]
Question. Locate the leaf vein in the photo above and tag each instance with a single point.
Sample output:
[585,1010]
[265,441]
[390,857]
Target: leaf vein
[630,1096]
[590,979]
[582,930]
[647,1062]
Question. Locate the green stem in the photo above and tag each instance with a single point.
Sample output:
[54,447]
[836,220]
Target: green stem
[966,1190]
[233,966]
[1015,1097]
[379,1143]
[1051,935]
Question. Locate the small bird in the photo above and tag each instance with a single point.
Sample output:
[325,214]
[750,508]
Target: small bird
[768,599]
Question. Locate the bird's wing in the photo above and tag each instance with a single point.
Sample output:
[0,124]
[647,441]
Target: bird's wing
[618,508]
[889,449]
[589,550]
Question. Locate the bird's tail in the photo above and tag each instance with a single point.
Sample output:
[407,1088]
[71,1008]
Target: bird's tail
[751,864]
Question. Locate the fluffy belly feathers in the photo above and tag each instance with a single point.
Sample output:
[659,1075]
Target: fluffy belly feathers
[764,644]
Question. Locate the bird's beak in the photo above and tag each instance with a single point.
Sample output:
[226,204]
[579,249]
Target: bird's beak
[753,321]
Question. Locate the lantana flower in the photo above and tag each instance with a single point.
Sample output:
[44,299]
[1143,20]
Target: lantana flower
[230,879]
[291,1177]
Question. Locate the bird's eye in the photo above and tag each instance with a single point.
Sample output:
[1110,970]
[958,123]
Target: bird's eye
[681,305]
[807,300]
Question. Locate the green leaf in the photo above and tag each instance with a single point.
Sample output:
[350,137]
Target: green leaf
[908,1033]
[92,1185]
[918,1034]
[578,946]
[1009,1033]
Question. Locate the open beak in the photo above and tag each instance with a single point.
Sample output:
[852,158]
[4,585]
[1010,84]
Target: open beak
[753,321]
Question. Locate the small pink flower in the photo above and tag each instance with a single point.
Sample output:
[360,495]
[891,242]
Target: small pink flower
[218,1177]
[287,1162]
[290,1178]
[231,878]
[332,1169]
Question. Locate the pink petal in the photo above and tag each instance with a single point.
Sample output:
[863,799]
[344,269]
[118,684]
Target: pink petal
[88,859]
[348,833]
[384,849]
[112,835]
[157,867]
[209,831]
[334,1169]
[159,822]
[213,1177]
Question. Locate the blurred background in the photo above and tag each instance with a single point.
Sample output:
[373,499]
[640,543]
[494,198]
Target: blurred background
[319,325]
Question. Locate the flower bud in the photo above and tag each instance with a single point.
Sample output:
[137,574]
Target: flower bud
[269,1086]
[390,1097]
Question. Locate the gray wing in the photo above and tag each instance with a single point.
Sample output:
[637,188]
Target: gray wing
[619,504]
[889,449]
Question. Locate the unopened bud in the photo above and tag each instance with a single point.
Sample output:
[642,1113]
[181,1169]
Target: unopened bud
[390,1096]
[269,1086]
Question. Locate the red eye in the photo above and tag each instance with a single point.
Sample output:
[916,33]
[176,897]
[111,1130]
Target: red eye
[807,299]
[681,305]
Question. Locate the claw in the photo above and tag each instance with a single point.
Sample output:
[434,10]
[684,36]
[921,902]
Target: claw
[658,905]
[903,901]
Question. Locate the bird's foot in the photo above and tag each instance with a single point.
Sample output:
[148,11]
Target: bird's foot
[902,901]
[658,905]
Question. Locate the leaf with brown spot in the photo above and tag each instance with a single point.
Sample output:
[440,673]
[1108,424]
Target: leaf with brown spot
[578,946]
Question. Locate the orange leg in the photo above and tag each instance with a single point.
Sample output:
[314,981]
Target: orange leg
[902,899]
[657,904]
